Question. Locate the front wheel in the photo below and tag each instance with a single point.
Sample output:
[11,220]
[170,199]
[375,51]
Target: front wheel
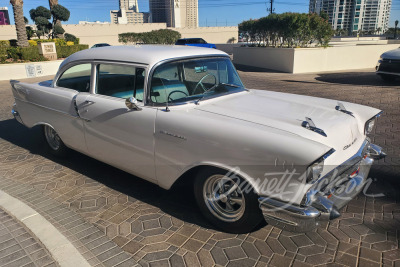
[228,202]
[54,143]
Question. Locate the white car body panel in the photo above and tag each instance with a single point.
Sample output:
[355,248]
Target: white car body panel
[256,131]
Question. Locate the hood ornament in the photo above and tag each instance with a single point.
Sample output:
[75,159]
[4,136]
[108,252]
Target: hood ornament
[340,107]
[310,125]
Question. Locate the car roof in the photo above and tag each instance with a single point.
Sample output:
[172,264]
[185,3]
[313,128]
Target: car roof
[144,54]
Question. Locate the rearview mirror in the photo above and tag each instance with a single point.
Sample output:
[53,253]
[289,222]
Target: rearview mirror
[131,103]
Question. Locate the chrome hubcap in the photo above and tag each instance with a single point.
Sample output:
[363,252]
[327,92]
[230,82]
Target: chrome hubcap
[224,198]
[52,137]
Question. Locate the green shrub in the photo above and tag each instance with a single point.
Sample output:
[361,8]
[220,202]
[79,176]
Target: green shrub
[287,29]
[31,54]
[163,36]
[71,38]
[4,43]
[3,54]
[13,42]
[66,51]
[44,41]
[14,53]
[32,43]
[60,42]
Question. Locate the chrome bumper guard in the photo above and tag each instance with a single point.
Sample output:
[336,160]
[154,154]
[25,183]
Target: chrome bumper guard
[16,115]
[323,207]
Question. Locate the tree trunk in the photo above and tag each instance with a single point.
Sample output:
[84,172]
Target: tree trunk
[52,3]
[22,38]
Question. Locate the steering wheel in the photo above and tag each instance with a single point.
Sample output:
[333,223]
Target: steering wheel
[201,83]
[173,92]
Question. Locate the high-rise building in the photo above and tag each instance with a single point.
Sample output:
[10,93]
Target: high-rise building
[176,13]
[355,15]
[4,17]
[128,13]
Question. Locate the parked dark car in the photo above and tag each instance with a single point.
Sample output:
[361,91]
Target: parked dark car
[100,45]
[388,67]
[195,42]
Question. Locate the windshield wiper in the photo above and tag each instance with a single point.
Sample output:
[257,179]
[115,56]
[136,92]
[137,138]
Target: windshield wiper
[212,88]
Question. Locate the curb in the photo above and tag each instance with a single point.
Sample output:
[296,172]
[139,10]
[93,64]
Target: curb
[63,252]
[90,242]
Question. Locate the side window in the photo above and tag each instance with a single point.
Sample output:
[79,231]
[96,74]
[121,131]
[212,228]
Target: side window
[76,78]
[167,84]
[120,81]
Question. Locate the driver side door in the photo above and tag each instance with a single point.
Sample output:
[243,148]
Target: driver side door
[114,134]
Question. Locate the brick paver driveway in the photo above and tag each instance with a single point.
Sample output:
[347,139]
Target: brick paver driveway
[164,228]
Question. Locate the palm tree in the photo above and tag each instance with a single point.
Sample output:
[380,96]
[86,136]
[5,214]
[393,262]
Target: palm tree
[22,39]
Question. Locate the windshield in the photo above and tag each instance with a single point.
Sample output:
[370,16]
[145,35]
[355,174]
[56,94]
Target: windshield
[194,80]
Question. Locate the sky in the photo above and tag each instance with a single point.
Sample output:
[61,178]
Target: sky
[211,12]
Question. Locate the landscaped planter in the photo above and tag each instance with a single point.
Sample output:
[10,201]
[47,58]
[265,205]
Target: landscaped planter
[305,60]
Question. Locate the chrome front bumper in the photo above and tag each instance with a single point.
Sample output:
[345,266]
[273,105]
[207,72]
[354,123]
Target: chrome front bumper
[16,115]
[323,207]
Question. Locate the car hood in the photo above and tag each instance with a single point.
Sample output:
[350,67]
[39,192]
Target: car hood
[392,54]
[287,113]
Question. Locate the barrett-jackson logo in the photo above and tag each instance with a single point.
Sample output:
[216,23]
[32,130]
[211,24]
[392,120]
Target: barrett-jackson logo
[349,145]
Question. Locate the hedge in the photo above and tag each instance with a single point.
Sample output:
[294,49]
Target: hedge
[32,53]
[163,36]
[58,41]
[287,29]
[66,51]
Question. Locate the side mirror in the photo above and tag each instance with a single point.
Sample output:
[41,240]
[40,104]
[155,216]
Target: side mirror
[131,103]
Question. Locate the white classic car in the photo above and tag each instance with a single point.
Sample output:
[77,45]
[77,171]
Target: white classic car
[166,113]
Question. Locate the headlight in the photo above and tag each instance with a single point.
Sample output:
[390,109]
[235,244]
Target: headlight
[369,125]
[380,60]
[315,169]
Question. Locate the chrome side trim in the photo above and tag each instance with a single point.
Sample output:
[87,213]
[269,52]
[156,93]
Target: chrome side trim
[51,109]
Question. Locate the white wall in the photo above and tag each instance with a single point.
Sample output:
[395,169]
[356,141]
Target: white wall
[280,59]
[338,58]
[108,33]
[306,60]
[18,70]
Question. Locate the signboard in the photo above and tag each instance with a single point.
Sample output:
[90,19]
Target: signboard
[30,71]
[33,70]
[48,50]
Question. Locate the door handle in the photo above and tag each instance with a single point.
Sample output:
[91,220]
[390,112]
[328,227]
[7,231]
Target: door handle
[89,102]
